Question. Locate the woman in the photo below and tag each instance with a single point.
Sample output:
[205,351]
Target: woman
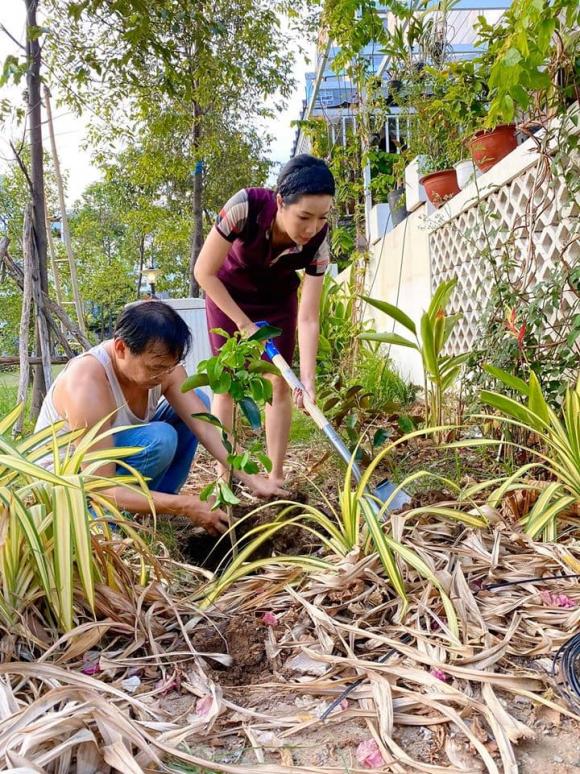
[247,268]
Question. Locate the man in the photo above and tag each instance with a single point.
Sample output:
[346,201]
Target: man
[135,379]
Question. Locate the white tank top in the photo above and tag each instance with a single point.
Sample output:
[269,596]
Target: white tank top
[123,415]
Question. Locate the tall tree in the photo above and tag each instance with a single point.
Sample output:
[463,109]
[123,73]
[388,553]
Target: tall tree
[202,69]
[39,254]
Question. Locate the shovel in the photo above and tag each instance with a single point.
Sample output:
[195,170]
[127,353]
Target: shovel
[386,488]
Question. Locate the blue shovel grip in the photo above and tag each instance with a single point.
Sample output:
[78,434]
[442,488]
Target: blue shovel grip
[269,347]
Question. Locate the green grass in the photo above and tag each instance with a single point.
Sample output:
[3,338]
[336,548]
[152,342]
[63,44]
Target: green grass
[303,428]
[377,375]
[9,391]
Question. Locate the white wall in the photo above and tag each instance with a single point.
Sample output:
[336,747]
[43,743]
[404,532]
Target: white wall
[398,272]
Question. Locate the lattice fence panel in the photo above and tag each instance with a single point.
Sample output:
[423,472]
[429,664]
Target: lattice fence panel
[531,217]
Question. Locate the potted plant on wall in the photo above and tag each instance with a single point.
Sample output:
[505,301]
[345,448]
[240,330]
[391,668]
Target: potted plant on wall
[435,137]
[466,100]
[488,146]
[491,139]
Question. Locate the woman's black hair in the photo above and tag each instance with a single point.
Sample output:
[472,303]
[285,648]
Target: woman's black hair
[145,323]
[304,175]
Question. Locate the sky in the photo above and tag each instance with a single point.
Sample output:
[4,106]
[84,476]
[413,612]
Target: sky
[70,130]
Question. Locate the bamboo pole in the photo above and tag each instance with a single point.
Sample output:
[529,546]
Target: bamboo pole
[65,229]
[53,264]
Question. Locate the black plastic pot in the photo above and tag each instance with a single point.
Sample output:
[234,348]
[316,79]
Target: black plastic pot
[396,200]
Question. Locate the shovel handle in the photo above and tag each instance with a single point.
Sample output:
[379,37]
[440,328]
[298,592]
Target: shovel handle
[295,384]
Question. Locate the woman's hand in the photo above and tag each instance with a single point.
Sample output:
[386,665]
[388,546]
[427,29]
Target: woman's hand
[264,488]
[310,388]
[248,328]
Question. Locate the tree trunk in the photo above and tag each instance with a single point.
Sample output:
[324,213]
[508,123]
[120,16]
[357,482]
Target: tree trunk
[24,332]
[197,204]
[141,264]
[52,310]
[37,174]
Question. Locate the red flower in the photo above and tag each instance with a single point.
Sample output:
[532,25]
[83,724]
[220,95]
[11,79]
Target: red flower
[518,333]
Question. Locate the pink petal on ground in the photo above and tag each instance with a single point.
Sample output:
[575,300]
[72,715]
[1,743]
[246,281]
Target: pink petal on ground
[440,675]
[204,705]
[369,755]
[270,619]
[556,600]
[91,664]
[91,669]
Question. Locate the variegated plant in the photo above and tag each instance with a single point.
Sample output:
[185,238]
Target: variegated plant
[56,541]
[359,522]
[554,469]
[429,340]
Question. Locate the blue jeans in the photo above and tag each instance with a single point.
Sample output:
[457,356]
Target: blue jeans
[168,448]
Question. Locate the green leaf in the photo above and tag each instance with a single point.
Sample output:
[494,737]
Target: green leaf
[544,32]
[428,346]
[265,460]
[392,311]
[330,403]
[207,491]
[511,381]
[511,57]
[405,424]
[264,333]
[263,367]
[511,408]
[251,412]
[381,435]
[257,389]
[536,401]
[441,297]
[205,416]
[222,333]
[388,338]
[226,495]
[222,384]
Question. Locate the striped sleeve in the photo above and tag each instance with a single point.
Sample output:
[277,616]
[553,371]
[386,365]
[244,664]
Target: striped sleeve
[233,216]
[319,264]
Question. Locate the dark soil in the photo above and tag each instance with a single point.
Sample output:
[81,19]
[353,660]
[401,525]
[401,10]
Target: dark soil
[243,637]
[206,551]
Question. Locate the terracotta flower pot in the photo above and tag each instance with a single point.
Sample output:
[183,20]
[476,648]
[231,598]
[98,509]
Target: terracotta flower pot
[487,148]
[440,186]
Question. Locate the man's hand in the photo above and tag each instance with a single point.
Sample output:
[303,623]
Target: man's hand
[264,487]
[310,388]
[215,522]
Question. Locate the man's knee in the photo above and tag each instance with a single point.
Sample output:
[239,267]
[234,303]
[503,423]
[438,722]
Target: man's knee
[161,442]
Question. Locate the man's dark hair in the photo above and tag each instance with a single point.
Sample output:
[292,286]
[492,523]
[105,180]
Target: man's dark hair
[304,175]
[145,323]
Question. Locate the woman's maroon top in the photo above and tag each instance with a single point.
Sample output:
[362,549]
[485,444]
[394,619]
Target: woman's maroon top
[263,284]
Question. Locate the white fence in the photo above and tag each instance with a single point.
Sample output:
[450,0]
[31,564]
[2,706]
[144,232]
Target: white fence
[192,310]
[516,209]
